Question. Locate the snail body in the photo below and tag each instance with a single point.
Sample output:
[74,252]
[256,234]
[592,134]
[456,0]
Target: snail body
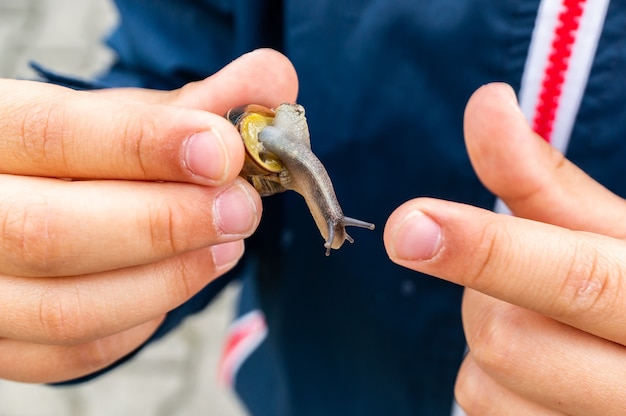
[279,158]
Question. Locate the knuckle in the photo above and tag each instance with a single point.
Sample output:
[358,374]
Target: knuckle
[486,257]
[28,237]
[92,356]
[495,342]
[162,225]
[469,394]
[43,134]
[173,222]
[61,318]
[191,272]
[591,283]
[139,139]
[183,287]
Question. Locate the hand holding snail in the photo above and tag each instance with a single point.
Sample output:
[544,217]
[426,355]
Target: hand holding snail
[89,268]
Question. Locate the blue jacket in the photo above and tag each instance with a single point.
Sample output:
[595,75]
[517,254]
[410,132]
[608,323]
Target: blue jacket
[384,84]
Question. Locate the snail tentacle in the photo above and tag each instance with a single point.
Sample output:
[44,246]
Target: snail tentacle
[353,222]
[331,236]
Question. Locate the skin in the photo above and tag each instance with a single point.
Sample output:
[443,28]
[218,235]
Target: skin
[544,307]
[89,268]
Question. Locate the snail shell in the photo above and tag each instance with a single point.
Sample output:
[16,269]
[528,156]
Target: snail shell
[279,157]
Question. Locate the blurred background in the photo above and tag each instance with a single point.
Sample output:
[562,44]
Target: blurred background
[176,376]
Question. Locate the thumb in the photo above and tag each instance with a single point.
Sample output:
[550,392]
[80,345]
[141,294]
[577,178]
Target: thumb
[535,180]
[263,76]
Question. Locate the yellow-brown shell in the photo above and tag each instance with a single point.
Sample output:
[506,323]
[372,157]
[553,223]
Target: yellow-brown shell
[261,167]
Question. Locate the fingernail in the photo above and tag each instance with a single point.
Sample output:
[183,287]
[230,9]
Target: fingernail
[205,155]
[235,211]
[226,255]
[417,237]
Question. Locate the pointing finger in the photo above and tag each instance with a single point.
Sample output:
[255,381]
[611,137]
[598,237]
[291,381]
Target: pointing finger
[574,277]
[52,131]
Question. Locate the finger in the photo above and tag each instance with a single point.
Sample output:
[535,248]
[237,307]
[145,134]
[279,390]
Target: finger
[271,80]
[52,131]
[59,228]
[40,363]
[532,177]
[572,276]
[263,76]
[544,361]
[478,395]
[81,309]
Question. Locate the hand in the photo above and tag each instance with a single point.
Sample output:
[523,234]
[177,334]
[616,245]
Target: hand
[89,267]
[544,312]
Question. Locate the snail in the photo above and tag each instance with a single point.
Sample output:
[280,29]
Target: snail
[279,158]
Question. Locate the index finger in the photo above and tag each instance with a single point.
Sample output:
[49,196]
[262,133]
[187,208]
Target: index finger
[572,276]
[53,131]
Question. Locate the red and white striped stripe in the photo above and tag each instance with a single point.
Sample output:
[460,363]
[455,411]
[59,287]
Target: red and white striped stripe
[244,336]
[559,60]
